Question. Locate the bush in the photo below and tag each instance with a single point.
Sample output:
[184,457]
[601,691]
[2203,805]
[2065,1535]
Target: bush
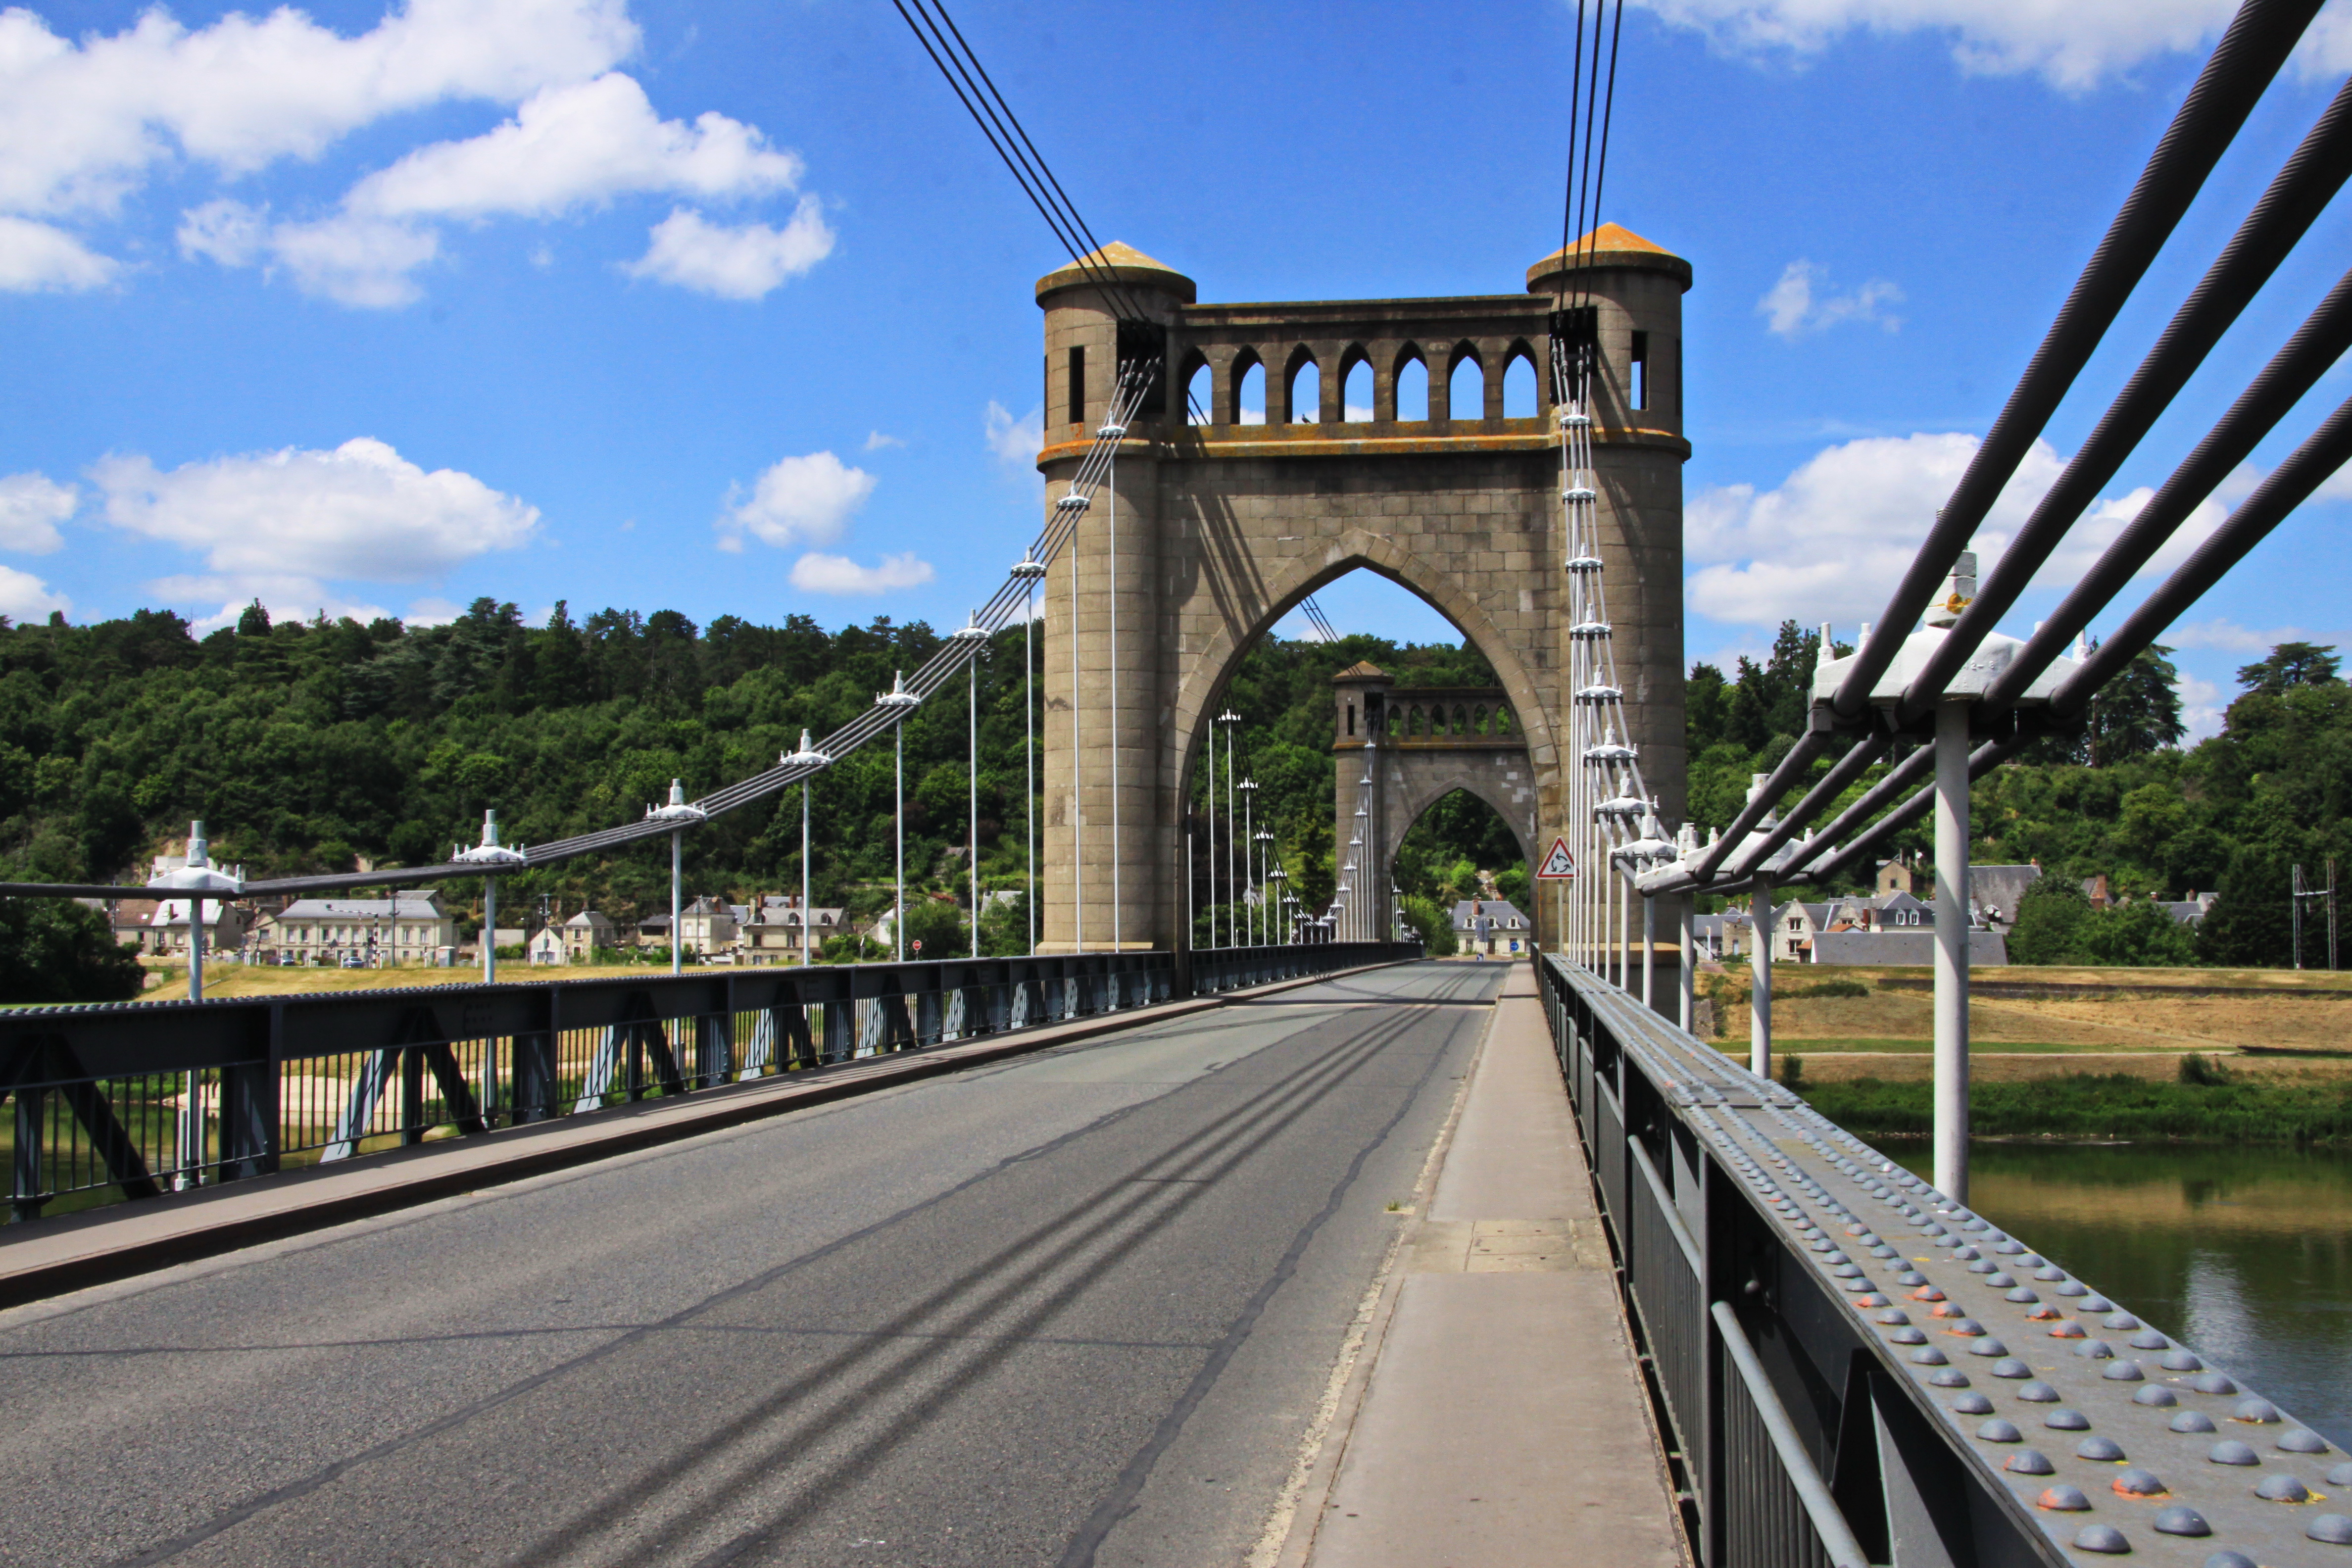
[938,925]
[1435,929]
[53,949]
[1824,988]
[2203,1070]
[1792,1072]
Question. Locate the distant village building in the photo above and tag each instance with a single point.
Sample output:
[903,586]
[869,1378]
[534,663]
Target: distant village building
[1492,920]
[546,946]
[408,927]
[708,926]
[160,926]
[583,934]
[772,936]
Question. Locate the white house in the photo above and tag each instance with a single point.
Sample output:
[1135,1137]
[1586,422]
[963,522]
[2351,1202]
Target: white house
[1491,920]
[409,926]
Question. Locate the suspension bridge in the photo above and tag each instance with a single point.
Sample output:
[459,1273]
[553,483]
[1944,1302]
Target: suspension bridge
[1211,1227]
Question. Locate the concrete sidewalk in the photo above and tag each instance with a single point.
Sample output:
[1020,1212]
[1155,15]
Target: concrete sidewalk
[1503,1421]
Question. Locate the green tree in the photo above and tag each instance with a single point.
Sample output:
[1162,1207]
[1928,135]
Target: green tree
[2250,925]
[1433,924]
[2050,918]
[52,949]
[2290,664]
[938,924]
[2137,711]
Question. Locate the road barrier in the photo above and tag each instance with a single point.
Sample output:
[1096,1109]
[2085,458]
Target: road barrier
[139,1099]
[1851,1369]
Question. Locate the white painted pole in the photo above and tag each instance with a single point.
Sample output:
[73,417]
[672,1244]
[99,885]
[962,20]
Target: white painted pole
[1249,870]
[490,929]
[808,916]
[1117,844]
[1233,888]
[1952,949]
[1687,982]
[677,899]
[1649,945]
[1759,969]
[192,1109]
[1211,795]
[1029,717]
[898,917]
[1077,768]
[971,777]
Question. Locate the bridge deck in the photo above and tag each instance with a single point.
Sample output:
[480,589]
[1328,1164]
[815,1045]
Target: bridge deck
[1080,1307]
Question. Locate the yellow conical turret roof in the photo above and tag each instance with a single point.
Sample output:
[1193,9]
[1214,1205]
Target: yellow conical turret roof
[1123,264]
[1611,245]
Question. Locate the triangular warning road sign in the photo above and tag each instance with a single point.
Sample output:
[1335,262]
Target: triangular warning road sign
[1559,865]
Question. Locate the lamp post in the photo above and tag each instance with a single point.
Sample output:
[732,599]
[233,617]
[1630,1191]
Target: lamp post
[1262,839]
[1028,570]
[1233,888]
[676,811]
[808,757]
[899,700]
[488,852]
[971,632]
[193,881]
[1248,788]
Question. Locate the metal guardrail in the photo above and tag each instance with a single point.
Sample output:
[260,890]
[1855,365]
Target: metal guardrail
[100,1098]
[1856,1370]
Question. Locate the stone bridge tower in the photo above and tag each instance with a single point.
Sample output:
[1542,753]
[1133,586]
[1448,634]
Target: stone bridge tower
[1224,526]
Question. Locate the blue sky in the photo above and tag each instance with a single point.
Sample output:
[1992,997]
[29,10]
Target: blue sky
[727,309]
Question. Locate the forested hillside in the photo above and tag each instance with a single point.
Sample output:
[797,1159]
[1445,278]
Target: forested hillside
[309,746]
[2121,799]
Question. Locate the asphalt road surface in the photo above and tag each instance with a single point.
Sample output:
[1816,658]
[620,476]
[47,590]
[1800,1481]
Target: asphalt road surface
[1076,1307]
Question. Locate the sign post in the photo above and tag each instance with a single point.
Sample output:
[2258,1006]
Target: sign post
[1558,868]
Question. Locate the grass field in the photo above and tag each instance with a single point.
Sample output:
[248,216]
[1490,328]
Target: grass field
[2165,1010]
[256,980]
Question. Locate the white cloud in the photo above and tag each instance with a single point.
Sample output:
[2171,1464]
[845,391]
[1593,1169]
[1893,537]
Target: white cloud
[81,123]
[296,517]
[2202,705]
[567,147]
[820,573]
[576,145]
[25,597]
[31,507]
[797,501]
[2071,44]
[1830,542]
[1015,440]
[1790,309]
[2228,635]
[39,255]
[430,612]
[743,262]
[876,441]
[354,260]
[285,597]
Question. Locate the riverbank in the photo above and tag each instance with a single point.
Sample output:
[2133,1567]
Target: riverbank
[2283,1109]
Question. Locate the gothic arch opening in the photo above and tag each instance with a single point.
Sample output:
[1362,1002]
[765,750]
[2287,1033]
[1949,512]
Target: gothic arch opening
[1272,788]
[1412,375]
[1302,392]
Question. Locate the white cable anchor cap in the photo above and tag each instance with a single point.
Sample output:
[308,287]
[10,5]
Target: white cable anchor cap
[489,852]
[677,810]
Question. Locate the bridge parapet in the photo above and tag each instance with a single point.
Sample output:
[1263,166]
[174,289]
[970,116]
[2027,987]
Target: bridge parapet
[1853,1368]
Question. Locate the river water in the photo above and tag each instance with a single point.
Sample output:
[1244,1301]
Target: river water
[2243,1254]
